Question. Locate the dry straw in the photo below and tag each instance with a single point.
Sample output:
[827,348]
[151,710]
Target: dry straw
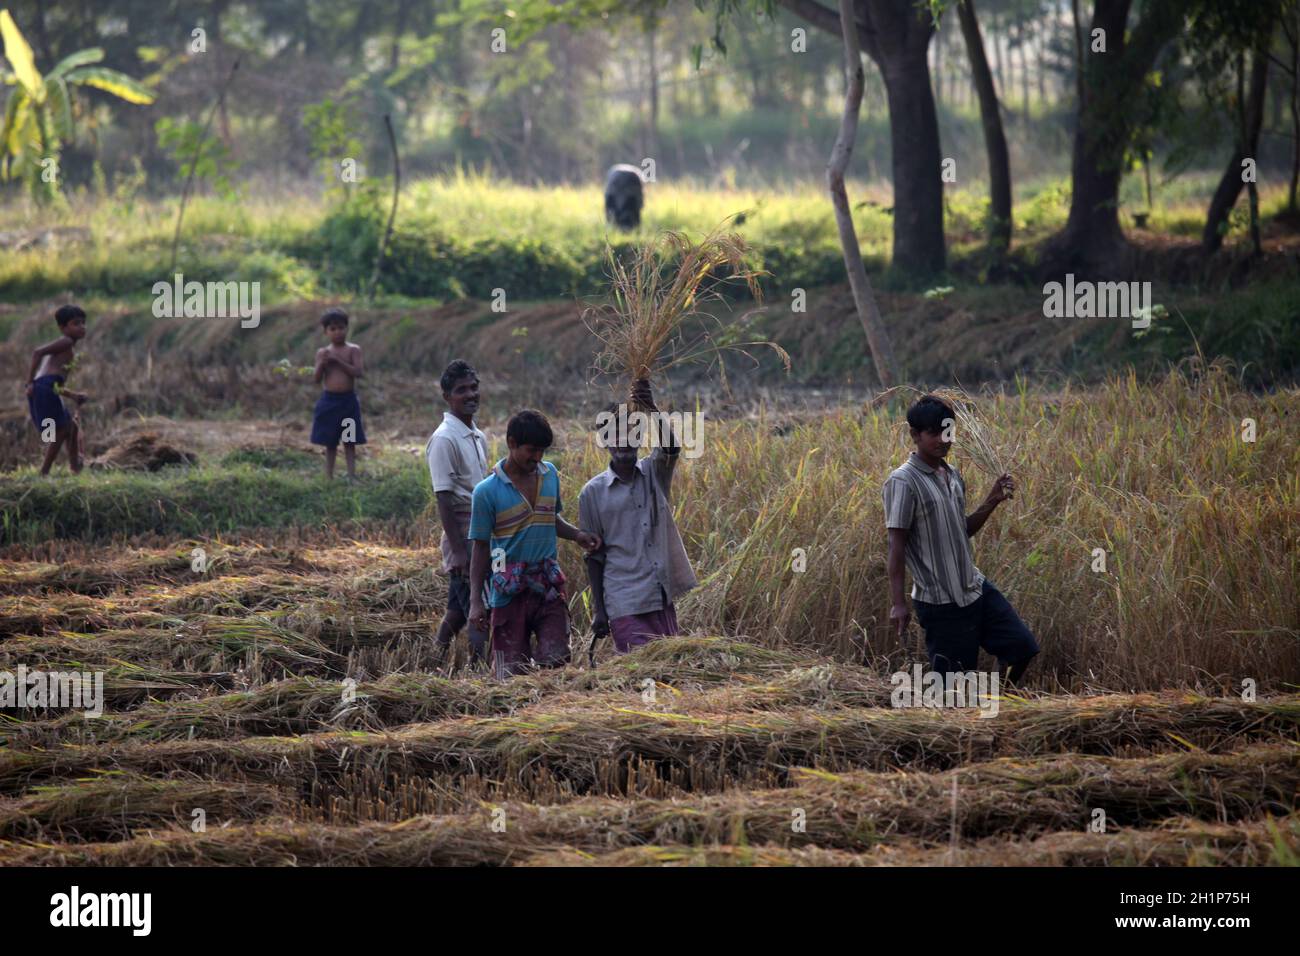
[655,291]
[977,438]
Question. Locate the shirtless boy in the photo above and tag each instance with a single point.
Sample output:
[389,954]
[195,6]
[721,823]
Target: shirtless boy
[45,392]
[337,417]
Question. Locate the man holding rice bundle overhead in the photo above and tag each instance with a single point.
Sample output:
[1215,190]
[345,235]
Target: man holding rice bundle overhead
[642,568]
[929,530]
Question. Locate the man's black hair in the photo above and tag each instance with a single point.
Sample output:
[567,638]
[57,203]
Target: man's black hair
[928,412]
[454,372]
[330,316]
[530,427]
[67,313]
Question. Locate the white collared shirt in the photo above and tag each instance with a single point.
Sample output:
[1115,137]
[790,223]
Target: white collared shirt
[458,459]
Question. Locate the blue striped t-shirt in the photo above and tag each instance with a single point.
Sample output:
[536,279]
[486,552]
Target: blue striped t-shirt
[501,516]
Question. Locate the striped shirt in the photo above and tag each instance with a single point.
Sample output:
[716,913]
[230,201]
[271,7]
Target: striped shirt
[503,518]
[930,504]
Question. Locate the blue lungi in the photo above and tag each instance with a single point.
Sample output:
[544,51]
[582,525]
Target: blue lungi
[332,410]
[45,403]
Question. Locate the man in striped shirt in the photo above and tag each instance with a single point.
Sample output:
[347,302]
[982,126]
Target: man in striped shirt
[929,530]
[514,524]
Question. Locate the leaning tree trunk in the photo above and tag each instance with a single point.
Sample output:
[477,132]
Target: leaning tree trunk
[1295,121]
[896,35]
[995,140]
[1225,196]
[864,299]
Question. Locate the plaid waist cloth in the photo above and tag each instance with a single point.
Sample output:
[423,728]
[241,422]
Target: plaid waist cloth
[541,577]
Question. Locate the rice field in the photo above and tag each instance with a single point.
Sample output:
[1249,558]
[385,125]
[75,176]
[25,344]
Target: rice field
[272,694]
[283,703]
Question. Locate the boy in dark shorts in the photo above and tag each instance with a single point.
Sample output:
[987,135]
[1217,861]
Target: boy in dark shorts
[929,530]
[45,377]
[514,525]
[457,456]
[337,417]
[642,567]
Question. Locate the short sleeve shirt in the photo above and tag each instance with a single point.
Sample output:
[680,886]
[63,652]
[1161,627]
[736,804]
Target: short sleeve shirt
[644,559]
[930,503]
[502,517]
[457,458]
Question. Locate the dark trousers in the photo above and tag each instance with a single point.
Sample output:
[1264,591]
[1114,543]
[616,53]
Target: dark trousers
[458,599]
[954,635]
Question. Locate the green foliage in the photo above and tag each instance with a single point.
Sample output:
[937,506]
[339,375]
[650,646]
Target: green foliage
[38,114]
[210,159]
[330,126]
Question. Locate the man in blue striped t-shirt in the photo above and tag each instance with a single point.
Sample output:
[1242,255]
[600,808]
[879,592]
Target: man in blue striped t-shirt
[514,524]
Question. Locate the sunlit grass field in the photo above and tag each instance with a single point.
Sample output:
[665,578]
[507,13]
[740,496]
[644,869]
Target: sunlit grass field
[119,245]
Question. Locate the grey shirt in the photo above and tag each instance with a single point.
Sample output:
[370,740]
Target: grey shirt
[930,503]
[643,550]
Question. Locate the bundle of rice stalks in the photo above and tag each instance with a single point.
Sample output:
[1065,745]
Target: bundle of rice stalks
[111,805]
[307,705]
[853,812]
[974,436]
[666,283]
[206,643]
[1177,841]
[711,855]
[591,744]
[31,614]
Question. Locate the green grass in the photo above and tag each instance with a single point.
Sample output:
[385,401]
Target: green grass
[467,234]
[204,501]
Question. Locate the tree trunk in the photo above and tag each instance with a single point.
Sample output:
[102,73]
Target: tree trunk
[1293,37]
[918,189]
[1250,120]
[864,299]
[896,35]
[1092,241]
[938,68]
[995,140]
[652,129]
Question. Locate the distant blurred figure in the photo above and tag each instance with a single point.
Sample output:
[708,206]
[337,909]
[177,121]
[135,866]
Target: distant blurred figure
[624,196]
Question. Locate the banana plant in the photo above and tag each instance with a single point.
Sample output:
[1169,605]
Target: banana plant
[38,111]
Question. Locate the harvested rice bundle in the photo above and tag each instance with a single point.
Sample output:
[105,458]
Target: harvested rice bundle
[854,812]
[976,437]
[666,282]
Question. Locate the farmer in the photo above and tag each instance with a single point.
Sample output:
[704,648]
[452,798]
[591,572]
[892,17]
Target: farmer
[925,504]
[337,417]
[457,455]
[514,525]
[642,569]
[49,369]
